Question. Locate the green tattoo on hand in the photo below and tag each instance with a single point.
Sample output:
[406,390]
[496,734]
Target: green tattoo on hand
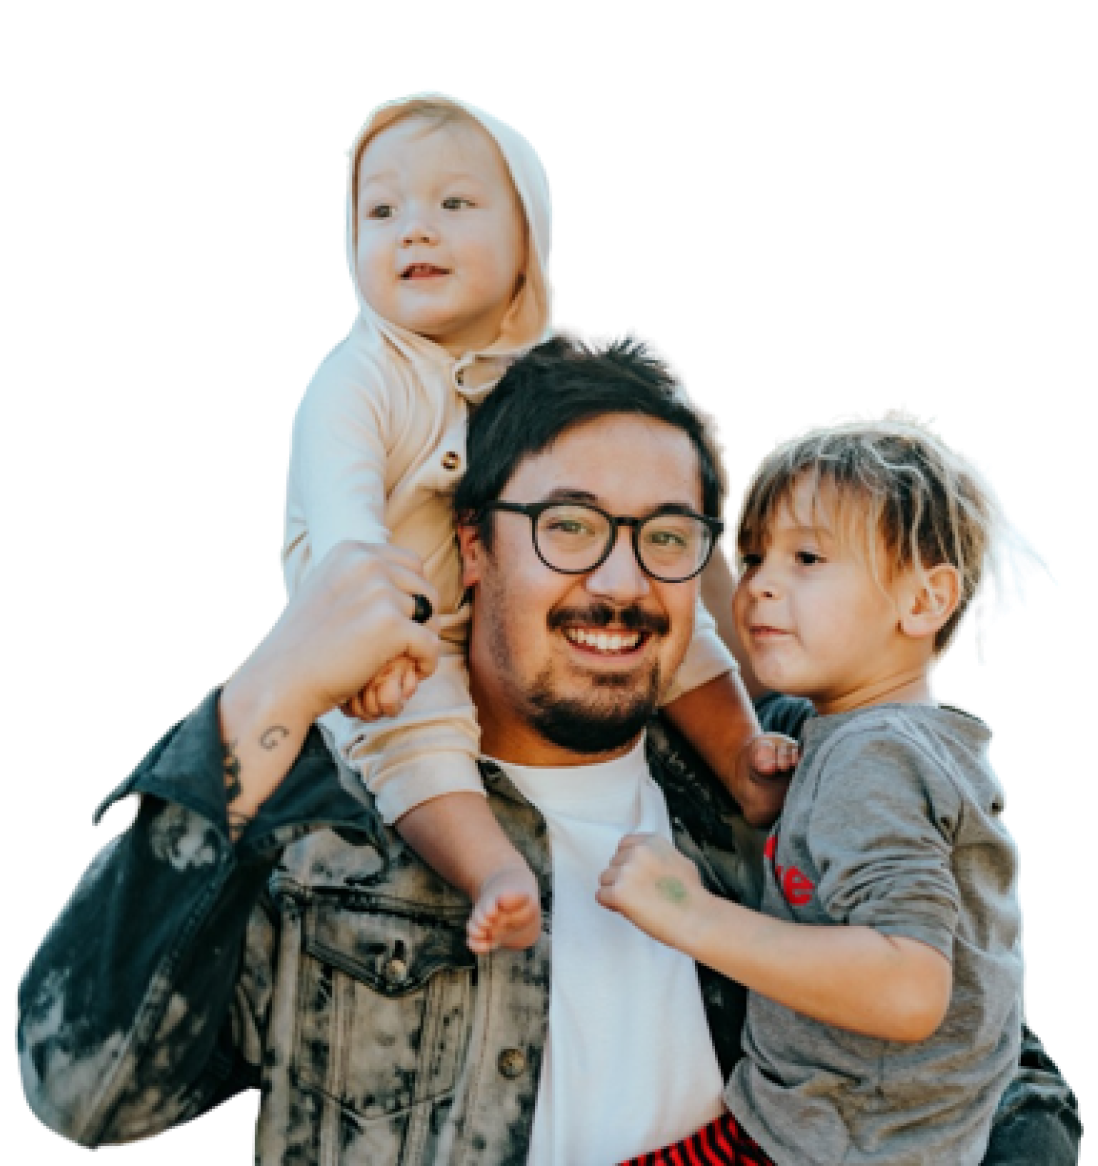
[672,890]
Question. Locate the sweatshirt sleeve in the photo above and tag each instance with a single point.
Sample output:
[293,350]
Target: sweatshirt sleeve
[889,865]
[705,660]
[147,1001]
[337,481]
[429,750]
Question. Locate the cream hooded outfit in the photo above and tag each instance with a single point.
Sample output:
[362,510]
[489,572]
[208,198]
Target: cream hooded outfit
[378,448]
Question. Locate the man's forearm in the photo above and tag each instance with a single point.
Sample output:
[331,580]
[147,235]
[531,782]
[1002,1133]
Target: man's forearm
[260,742]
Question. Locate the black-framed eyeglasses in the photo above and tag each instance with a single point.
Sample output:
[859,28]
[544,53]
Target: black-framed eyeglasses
[671,545]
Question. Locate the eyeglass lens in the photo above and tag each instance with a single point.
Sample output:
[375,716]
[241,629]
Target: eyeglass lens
[574,537]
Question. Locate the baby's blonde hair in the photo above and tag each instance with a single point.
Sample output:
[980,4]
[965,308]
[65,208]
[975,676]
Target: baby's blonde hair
[894,477]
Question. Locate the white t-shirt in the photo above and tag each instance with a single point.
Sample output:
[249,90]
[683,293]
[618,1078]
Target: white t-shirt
[629,1063]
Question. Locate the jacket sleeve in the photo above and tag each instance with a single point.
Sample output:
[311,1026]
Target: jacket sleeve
[145,1004]
[1038,1116]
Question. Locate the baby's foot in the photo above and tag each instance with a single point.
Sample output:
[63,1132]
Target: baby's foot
[507,912]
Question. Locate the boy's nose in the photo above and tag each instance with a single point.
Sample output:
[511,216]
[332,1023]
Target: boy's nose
[761,582]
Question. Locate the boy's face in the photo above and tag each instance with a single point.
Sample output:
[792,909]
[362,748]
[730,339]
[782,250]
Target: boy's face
[813,618]
[441,237]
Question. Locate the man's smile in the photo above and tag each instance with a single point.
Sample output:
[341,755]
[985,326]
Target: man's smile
[605,642]
[600,630]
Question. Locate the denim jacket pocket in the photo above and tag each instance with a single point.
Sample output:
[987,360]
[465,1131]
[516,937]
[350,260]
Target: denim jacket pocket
[384,1005]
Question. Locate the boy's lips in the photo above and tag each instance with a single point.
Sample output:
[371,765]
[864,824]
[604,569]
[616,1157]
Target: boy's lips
[763,631]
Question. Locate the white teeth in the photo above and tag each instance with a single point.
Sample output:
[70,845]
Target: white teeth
[604,641]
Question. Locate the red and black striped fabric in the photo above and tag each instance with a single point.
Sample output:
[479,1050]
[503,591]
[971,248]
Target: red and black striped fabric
[721,1143]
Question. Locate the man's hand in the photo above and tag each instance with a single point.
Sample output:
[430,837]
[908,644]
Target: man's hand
[352,616]
[655,887]
[764,768]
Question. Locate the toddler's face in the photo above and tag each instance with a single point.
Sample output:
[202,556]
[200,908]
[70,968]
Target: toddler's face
[812,616]
[441,237]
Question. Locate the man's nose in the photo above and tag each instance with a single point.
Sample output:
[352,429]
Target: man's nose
[619,576]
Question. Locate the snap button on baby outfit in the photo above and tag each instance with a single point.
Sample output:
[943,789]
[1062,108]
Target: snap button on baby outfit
[451,460]
[512,1063]
[459,376]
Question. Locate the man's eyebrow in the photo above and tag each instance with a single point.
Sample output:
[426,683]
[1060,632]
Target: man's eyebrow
[563,494]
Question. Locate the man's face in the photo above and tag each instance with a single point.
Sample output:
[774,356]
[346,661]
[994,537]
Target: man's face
[565,667]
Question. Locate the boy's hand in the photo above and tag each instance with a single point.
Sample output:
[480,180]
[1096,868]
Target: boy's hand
[655,887]
[387,693]
[766,763]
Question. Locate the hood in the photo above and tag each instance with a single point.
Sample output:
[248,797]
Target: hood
[527,322]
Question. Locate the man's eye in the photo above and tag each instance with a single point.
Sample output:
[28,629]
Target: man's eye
[455,203]
[567,526]
[382,210]
[666,540]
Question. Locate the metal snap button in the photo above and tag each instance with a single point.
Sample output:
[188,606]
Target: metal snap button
[512,1063]
[395,971]
[451,460]
[459,376]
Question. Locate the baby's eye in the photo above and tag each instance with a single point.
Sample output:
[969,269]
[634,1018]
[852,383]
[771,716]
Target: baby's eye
[809,558]
[750,560]
[381,210]
[455,203]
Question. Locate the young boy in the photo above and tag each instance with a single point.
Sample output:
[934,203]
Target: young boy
[885,970]
[448,234]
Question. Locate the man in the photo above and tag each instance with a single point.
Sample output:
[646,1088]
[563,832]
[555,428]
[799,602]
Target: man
[319,959]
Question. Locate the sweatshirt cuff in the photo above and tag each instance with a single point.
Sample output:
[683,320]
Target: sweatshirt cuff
[407,784]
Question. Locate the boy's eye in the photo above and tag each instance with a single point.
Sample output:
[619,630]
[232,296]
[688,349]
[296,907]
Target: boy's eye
[455,203]
[382,210]
[808,558]
[748,561]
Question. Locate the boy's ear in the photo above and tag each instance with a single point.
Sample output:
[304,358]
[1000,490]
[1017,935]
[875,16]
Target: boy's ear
[472,552]
[929,598]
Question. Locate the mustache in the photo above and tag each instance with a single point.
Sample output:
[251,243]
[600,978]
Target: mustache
[602,615]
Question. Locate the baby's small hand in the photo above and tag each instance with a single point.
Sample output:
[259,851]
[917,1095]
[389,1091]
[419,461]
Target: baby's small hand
[655,887]
[386,694]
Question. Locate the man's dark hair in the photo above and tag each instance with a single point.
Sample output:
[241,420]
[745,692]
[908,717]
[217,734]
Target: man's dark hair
[564,383]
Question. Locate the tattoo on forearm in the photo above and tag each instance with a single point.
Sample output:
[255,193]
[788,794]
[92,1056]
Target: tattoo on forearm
[273,736]
[230,765]
[672,890]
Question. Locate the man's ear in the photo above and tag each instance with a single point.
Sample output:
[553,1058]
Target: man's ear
[472,551]
[928,599]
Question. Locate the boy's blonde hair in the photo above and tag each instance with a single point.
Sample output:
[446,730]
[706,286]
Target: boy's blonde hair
[894,477]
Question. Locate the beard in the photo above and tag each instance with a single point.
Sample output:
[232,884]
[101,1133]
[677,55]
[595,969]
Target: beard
[606,720]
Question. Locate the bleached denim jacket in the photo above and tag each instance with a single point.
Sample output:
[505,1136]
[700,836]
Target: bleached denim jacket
[319,960]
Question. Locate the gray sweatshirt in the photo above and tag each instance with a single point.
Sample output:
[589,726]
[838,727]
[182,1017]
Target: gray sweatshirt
[893,821]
